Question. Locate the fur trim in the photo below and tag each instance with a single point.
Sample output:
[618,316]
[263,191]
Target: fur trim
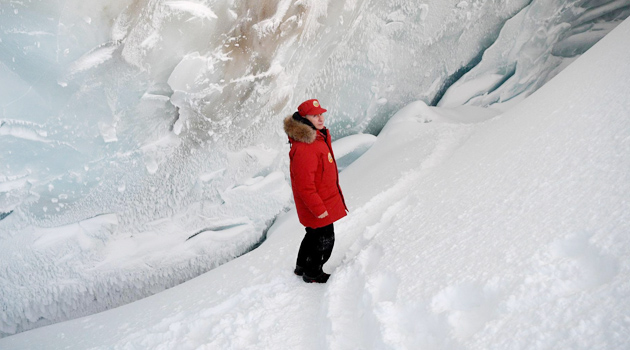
[299,131]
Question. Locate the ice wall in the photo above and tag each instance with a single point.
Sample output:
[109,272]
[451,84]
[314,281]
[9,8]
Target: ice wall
[129,126]
[533,47]
[121,106]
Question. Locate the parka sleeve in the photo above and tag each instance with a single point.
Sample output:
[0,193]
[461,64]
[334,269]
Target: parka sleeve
[304,168]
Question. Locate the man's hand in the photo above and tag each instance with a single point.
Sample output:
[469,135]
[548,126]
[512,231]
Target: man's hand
[323,215]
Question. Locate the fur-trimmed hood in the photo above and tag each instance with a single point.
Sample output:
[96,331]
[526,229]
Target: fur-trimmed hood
[299,131]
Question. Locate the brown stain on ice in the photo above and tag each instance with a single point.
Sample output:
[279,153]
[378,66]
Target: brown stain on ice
[252,50]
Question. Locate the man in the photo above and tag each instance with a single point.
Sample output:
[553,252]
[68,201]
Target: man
[315,183]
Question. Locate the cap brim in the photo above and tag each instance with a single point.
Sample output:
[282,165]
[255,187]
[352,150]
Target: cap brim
[312,111]
[317,110]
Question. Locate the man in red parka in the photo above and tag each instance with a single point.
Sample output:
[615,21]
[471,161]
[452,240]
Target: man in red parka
[315,183]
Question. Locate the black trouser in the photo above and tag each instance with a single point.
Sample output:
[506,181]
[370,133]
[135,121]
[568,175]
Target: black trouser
[315,249]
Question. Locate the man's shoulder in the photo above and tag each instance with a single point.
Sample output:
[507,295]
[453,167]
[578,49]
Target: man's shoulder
[316,148]
[299,132]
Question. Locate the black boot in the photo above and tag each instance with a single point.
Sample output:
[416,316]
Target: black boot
[322,278]
[314,252]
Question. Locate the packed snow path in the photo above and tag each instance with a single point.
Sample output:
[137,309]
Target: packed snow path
[510,234]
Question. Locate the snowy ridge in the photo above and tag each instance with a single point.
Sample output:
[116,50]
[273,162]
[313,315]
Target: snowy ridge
[527,54]
[506,233]
[23,129]
[106,276]
[193,8]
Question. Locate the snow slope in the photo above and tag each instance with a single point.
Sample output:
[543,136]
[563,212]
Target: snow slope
[508,233]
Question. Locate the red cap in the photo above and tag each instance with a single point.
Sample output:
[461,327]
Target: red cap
[310,107]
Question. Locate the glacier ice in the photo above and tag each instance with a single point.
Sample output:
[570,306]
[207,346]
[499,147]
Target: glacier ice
[533,47]
[166,115]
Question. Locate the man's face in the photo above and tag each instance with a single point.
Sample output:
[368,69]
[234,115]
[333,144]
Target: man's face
[317,120]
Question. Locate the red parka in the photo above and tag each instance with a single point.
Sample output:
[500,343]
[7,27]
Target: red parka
[314,175]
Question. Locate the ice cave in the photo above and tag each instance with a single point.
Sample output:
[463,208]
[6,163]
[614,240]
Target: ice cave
[141,141]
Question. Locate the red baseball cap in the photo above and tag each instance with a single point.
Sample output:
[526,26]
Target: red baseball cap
[310,107]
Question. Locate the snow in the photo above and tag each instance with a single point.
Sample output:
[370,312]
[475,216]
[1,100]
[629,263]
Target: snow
[23,130]
[128,127]
[529,51]
[507,232]
[92,59]
[350,148]
[193,8]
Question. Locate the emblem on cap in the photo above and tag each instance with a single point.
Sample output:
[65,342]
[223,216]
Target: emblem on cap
[315,103]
